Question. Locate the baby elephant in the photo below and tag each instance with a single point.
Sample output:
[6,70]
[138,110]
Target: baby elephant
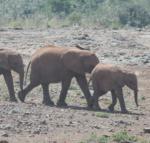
[111,78]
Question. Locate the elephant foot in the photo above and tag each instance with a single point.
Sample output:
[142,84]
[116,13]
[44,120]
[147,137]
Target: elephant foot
[124,111]
[21,96]
[111,108]
[62,104]
[90,104]
[48,103]
[13,99]
[96,108]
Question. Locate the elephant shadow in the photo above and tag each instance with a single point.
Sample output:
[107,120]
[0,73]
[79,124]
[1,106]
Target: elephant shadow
[75,107]
[102,110]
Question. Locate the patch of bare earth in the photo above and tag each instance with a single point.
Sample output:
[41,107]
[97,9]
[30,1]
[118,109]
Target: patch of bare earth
[33,122]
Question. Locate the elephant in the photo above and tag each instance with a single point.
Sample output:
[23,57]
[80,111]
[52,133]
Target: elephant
[53,64]
[106,77]
[11,60]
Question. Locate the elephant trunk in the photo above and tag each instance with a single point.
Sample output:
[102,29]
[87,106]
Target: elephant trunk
[136,97]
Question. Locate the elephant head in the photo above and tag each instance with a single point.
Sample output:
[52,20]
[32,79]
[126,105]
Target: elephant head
[80,61]
[12,61]
[131,81]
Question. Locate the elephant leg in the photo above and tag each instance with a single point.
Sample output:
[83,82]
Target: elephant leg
[114,100]
[46,96]
[64,90]
[84,87]
[121,100]
[22,94]
[9,82]
[95,101]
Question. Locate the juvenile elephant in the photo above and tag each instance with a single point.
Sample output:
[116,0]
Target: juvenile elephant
[111,78]
[54,64]
[10,60]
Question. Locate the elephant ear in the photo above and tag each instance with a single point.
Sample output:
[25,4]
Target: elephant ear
[4,61]
[73,62]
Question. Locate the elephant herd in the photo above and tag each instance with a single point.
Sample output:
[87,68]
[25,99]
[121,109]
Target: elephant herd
[54,64]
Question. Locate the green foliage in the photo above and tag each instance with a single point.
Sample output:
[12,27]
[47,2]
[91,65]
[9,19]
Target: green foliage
[143,98]
[102,115]
[103,139]
[123,137]
[135,16]
[75,18]
[61,6]
[49,13]
[119,137]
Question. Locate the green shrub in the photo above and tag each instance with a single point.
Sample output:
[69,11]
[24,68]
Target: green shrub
[102,115]
[135,16]
[107,13]
[61,6]
[75,18]
[103,139]
[123,136]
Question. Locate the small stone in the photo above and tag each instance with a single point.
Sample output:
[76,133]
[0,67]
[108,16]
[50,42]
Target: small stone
[137,118]
[36,131]
[62,110]
[96,127]
[43,122]
[3,141]
[146,61]
[84,114]
[111,130]
[146,130]
[5,135]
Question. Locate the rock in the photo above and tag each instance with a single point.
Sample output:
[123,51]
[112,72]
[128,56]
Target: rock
[43,122]
[122,53]
[3,141]
[96,127]
[85,114]
[146,130]
[111,130]
[137,118]
[146,61]
[5,135]
[37,131]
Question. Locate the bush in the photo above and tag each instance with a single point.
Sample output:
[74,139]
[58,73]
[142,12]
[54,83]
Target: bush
[61,6]
[123,136]
[135,16]
[75,18]
[107,13]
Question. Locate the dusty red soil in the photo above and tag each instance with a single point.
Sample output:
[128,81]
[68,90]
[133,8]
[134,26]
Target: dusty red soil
[33,122]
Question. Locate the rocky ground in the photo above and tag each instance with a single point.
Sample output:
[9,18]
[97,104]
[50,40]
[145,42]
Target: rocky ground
[33,122]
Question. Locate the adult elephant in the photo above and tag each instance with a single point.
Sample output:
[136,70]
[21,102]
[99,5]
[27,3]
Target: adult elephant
[10,60]
[55,64]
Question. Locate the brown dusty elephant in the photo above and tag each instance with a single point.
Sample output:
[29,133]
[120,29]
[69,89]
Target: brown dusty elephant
[111,78]
[10,60]
[55,64]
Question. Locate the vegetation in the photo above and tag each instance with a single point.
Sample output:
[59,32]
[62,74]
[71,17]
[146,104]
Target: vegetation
[102,115]
[52,13]
[123,137]
[118,137]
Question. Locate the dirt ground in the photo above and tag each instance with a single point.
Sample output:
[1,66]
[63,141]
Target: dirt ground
[33,122]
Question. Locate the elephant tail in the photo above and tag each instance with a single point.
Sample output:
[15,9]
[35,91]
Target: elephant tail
[27,72]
